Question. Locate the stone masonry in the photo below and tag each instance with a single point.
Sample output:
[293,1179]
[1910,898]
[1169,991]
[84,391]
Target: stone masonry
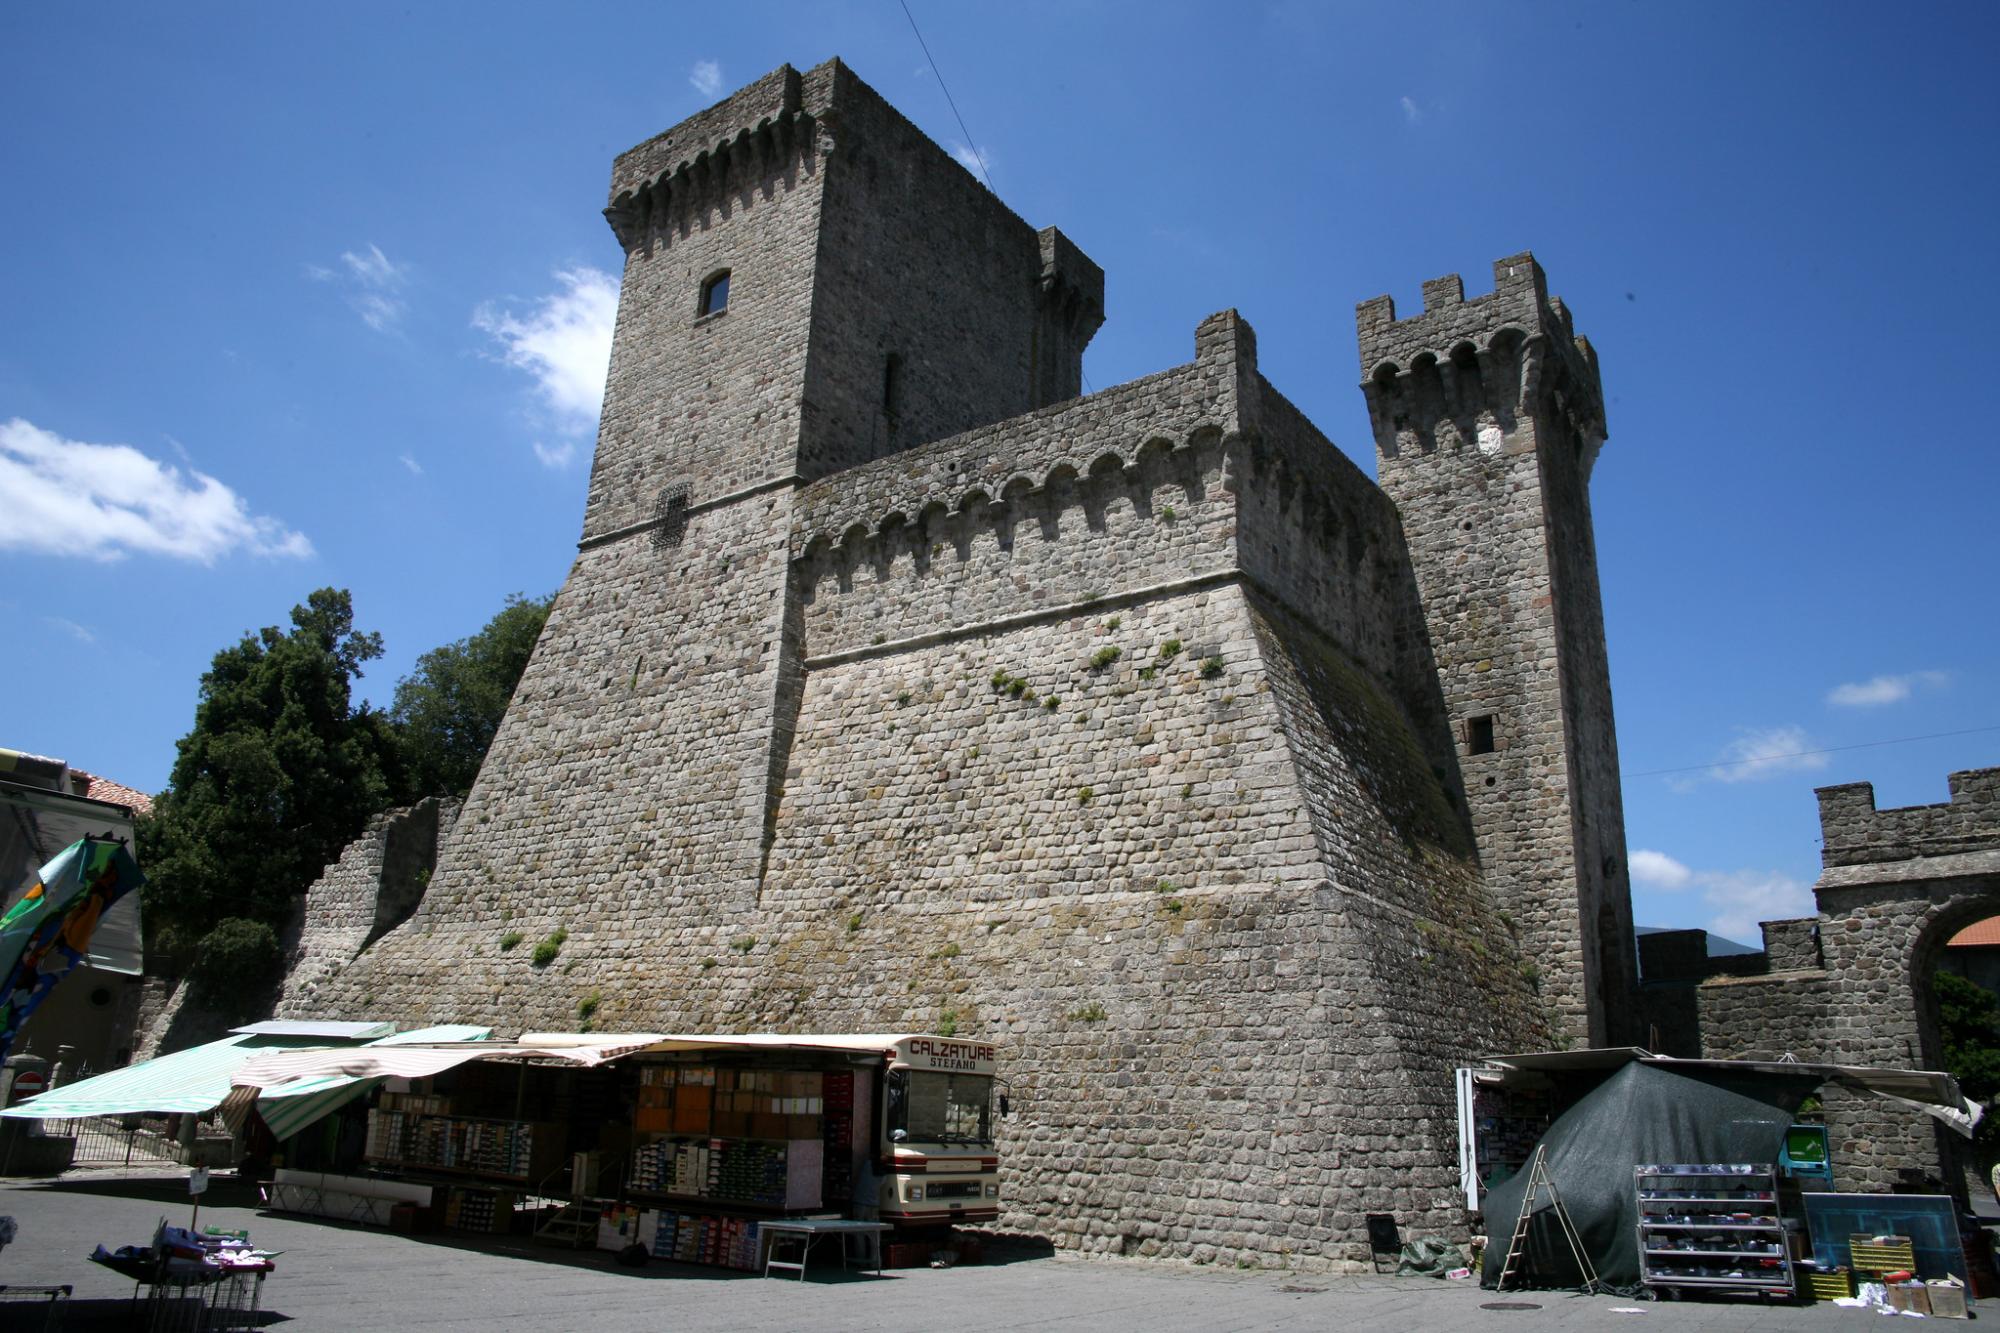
[896,686]
[1851,985]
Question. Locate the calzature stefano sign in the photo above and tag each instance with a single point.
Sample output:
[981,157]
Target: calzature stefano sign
[958,1057]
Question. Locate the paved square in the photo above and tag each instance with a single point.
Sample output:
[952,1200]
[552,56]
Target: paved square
[333,1276]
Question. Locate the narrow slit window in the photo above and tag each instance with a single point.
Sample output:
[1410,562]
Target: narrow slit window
[892,386]
[1479,734]
[715,294]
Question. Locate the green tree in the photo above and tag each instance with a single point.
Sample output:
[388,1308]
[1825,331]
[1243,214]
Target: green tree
[1969,1032]
[448,709]
[279,773]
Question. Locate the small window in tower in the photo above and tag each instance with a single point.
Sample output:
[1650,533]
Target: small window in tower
[1479,734]
[892,386]
[715,294]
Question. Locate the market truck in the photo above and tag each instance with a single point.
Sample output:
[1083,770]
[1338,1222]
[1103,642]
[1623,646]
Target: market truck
[934,1153]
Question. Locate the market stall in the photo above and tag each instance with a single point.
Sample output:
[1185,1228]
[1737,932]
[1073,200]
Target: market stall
[198,1085]
[677,1146]
[1679,1175]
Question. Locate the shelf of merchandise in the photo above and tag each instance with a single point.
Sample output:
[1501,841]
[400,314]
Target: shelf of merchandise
[738,1139]
[1730,1211]
[1508,1127]
[513,1152]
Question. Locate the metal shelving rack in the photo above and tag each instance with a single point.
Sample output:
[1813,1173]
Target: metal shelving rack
[1712,1227]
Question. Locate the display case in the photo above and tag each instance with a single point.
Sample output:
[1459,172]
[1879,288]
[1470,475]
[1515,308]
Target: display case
[1712,1227]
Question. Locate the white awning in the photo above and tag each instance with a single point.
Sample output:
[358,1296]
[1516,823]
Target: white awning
[278,1073]
[191,1081]
[405,1057]
[1928,1090]
[852,1043]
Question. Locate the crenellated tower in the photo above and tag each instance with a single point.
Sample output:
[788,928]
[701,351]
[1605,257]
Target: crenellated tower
[1488,417]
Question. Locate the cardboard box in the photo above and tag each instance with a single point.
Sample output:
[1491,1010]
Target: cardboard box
[1913,1296]
[764,1125]
[1947,1298]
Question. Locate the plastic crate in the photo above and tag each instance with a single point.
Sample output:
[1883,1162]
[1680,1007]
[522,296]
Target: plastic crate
[1894,1254]
[1831,1286]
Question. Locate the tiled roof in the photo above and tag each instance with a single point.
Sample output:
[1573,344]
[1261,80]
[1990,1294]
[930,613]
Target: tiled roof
[104,789]
[1977,935]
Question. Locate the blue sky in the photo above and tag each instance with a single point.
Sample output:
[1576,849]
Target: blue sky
[299,296]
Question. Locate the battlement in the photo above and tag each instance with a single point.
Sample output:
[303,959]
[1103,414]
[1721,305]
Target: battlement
[1463,364]
[1198,473]
[1854,832]
[1520,298]
[1070,439]
[763,122]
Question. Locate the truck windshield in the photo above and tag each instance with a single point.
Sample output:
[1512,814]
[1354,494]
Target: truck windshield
[940,1108]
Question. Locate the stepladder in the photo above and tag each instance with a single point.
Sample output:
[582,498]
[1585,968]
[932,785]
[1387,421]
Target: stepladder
[1542,1193]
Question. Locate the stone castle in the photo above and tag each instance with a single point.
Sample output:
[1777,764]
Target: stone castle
[896,685]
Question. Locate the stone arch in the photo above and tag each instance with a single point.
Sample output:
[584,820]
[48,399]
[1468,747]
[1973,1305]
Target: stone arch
[1106,486]
[1464,361]
[892,540]
[1974,902]
[816,564]
[852,543]
[1014,502]
[933,529]
[1880,940]
[1501,364]
[1204,447]
[1057,492]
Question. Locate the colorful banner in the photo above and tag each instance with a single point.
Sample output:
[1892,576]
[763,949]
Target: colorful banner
[48,932]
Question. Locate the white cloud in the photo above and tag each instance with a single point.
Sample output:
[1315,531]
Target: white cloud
[706,76]
[1884,689]
[1741,899]
[416,468]
[564,342]
[1738,900]
[372,283]
[970,158]
[106,501]
[1756,755]
[81,633]
[1412,113]
[1659,870]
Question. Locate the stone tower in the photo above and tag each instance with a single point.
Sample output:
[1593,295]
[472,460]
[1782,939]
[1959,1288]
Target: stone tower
[1488,416]
[809,284]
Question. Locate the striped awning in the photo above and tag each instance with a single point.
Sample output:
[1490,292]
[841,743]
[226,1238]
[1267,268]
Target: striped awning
[193,1081]
[289,1109]
[199,1080]
[284,1072]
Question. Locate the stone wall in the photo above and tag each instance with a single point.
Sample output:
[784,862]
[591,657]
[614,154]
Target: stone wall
[1853,832]
[1852,984]
[374,886]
